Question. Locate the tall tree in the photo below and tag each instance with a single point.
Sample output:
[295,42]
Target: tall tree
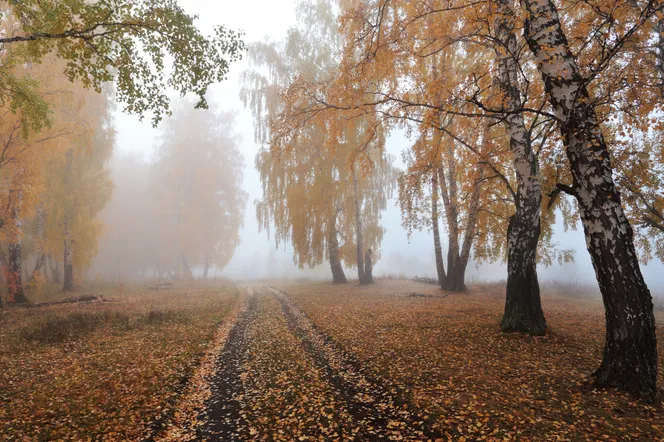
[13,273]
[523,308]
[322,183]
[77,184]
[630,351]
[438,250]
[66,225]
[25,156]
[196,185]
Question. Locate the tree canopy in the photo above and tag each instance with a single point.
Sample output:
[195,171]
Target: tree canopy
[143,46]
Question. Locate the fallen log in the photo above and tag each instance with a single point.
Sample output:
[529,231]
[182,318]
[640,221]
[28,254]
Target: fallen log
[162,286]
[422,295]
[72,300]
[426,280]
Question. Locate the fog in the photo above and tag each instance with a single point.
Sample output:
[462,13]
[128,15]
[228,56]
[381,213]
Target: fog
[257,256]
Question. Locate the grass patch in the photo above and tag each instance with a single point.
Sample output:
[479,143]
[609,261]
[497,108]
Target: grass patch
[59,327]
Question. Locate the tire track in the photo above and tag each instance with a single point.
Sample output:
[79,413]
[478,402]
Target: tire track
[223,418]
[286,396]
[381,411]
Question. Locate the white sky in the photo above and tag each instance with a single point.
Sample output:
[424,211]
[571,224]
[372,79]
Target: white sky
[256,256]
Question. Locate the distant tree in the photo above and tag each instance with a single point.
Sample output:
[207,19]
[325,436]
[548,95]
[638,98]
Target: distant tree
[127,247]
[196,186]
[120,41]
[79,187]
[28,156]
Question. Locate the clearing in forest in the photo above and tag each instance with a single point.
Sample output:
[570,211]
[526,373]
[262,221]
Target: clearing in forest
[348,362]
[310,362]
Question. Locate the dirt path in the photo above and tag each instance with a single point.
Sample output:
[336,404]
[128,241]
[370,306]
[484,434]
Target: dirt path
[223,415]
[279,378]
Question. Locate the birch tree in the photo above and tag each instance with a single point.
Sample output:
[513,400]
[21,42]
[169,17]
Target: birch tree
[630,352]
[325,184]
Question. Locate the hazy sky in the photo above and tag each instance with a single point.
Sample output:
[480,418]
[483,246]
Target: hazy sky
[255,256]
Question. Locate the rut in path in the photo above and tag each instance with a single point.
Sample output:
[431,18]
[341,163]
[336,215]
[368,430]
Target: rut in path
[222,415]
[380,411]
[279,378]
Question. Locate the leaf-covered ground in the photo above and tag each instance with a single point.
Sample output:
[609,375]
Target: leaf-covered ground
[473,382]
[309,362]
[104,371]
[278,378]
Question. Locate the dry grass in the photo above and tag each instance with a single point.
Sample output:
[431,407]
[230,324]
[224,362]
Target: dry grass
[474,381]
[103,370]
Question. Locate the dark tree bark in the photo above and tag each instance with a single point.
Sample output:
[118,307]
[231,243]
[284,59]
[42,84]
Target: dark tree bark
[3,268]
[368,267]
[523,307]
[456,274]
[449,194]
[438,250]
[55,270]
[630,351]
[47,273]
[358,227]
[41,257]
[68,284]
[660,54]
[13,275]
[338,275]
[39,266]
[457,256]
[3,271]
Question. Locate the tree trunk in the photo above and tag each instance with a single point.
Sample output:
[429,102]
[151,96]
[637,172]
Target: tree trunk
[523,307]
[14,265]
[368,267]
[338,275]
[358,228]
[438,250]
[186,268]
[660,54]
[3,268]
[451,214]
[68,285]
[457,257]
[206,267]
[456,275]
[55,269]
[47,274]
[630,350]
[39,265]
[41,257]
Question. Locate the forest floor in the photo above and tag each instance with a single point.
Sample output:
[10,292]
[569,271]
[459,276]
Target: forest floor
[110,370]
[313,362]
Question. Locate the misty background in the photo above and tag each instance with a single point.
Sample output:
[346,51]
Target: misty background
[257,256]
